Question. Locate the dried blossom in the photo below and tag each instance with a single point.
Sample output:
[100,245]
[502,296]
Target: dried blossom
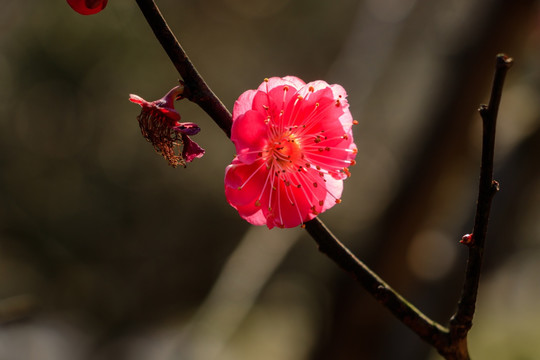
[160,125]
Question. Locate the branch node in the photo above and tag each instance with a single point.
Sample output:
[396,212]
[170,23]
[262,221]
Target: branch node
[467,239]
[381,293]
[483,110]
[495,186]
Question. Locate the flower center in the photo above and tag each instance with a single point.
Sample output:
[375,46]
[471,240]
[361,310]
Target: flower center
[285,150]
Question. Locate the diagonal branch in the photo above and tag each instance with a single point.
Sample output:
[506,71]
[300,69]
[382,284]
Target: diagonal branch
[197,89]
[429,330]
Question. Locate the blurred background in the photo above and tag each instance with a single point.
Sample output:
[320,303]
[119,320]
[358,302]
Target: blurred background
[108,253]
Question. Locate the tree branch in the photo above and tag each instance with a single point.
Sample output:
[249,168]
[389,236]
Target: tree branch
[196,88]
[461,322]
[429,330]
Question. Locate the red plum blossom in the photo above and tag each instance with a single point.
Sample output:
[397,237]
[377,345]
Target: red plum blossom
[294,145]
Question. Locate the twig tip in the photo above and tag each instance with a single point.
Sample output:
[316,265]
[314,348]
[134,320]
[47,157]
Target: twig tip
[504,60]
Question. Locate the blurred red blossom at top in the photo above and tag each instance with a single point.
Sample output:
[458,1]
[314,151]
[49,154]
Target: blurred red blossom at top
[160,125]
[87,7]
[294,145]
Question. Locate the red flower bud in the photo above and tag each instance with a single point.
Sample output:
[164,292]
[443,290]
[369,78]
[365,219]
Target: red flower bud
[87,7]
[467,239]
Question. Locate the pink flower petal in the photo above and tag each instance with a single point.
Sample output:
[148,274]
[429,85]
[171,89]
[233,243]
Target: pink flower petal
[191,149]
[243,104]
[334,188]
[249,133]
[138,100]
[274,82]
[255,218]
[272,102]
[242,182]
[187,128]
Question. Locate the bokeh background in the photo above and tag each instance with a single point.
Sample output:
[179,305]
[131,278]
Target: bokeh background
[108,253]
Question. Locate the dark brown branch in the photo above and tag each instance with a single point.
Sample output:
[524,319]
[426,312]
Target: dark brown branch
[461,322]
[423,326]
[197,89]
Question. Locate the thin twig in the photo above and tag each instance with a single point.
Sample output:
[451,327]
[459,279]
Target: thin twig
[197,89]
[461,322]
[452,343]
